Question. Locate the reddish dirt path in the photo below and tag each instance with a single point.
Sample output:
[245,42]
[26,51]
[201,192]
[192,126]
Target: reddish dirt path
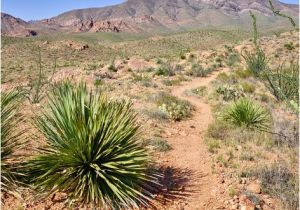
[189,154]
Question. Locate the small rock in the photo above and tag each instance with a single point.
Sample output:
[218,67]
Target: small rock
[234,206]
[254,187]
[192,126]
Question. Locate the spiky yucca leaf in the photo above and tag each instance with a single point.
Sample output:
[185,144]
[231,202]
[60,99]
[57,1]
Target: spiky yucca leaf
[92,150]
[256,62]
[246,113]
[11,140]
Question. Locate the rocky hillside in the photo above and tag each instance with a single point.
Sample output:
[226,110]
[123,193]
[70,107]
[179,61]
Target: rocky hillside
[12,26]
[170,15]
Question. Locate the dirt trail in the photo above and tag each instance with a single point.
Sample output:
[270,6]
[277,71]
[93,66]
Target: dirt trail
[189,153]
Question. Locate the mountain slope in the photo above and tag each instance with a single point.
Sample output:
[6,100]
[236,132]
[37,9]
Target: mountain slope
[177,14]
[12,26]
[168,15]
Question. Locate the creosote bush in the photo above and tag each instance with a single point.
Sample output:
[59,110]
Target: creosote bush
[245,113]
[92,150]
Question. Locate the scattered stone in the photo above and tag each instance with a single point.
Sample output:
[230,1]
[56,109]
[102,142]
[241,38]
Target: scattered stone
[254,187]
[235,206]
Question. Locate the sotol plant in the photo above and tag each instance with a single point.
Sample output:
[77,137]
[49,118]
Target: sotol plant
[11,141]
[246,113]
[92,150]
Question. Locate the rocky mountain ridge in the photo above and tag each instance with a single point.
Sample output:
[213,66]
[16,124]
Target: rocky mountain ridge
[136,16]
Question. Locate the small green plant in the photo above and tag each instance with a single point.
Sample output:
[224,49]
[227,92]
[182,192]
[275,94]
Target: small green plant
[143,79]
[165,70]
[229,92]
[175,108]
[223,77]
[197,71]
[256,62]
[284,82]
[245,113]
[232,59]
[12,140]
[199,91]
[213,145]
[92,150]
[289,46]
[243,74]
[248,87]
[98,81]
[112,67]
[158,144]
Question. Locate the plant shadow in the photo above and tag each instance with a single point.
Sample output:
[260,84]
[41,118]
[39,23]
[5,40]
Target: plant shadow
[174,185]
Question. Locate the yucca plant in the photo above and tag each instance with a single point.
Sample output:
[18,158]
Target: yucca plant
[92,150]
[11,141]
[256,62]
[245,113]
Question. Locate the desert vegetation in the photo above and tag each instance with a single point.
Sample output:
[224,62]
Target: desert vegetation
[204,119]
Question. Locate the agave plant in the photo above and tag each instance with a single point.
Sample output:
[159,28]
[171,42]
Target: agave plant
[92,150]
[246,113]
[11,141]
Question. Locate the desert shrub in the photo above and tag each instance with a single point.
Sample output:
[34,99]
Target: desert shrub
[199,91]
[284,82]
[278,181]
[256,62]
[143,79]
[232,59]
[243,74]
[245,113]
[229,92]
[287,129]
[158,144]
[112,67]
[92,150]
[156,114]
[213,145]
[98,81]
[219,130]
[165,70]
[248,87]
[12,141]
[289,46]
[197,71]
[223,77]
[175,108]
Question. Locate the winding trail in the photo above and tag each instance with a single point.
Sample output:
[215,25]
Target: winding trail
[190,153]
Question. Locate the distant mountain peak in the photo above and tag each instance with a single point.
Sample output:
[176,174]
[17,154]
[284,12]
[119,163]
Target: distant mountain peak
[162,15]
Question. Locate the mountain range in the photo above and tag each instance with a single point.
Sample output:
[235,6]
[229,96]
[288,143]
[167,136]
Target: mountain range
[155,16]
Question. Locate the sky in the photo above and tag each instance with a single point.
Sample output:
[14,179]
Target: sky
[40,9]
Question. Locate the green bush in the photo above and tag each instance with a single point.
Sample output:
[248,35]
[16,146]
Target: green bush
[256,62]
[197,71]
[232,59]
[230,93]
[284,82]
[12,140]
[289,46]
[245,113]
[158,144]
[92,150]
[175,108]
[248,87]
[165,70]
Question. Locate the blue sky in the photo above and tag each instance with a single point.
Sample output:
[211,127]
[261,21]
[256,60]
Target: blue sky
[40,9]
